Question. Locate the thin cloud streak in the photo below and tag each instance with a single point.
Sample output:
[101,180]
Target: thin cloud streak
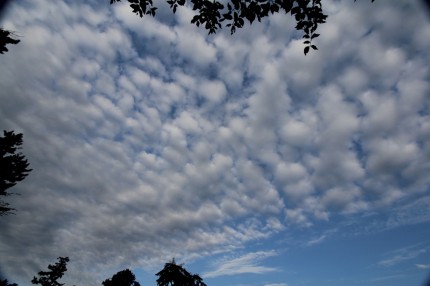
[423,266]
[404,254]
[317,240]
[248,263]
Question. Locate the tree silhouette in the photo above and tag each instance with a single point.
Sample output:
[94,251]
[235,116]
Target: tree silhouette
[6,37]
[13,166]
[176,275]
[56,271]
[4,282]
[308,14]
[122,278]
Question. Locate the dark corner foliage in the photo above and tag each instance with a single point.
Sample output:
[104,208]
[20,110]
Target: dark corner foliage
[7,37]
[13,165]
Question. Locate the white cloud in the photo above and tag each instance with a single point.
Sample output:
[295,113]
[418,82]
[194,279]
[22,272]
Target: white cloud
[317,240]
[214,91]
[297,216]
[423,266]
[194,47]
[296,133]
[248,263]
[404,254]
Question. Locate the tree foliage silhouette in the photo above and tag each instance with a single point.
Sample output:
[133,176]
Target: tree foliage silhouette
[308,14]
[13,166]
[6,37]
[56,271]
[122,278]
[175,275]
[4,282]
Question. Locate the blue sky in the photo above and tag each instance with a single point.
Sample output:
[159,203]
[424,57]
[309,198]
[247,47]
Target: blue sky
[237,155]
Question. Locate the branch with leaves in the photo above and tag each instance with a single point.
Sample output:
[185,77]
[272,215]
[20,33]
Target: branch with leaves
[7,37]
[13,166]
[211,14]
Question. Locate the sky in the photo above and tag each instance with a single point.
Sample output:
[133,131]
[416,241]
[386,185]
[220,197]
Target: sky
[243,159]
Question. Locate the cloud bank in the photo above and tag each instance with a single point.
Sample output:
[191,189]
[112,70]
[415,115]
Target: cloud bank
[150,140]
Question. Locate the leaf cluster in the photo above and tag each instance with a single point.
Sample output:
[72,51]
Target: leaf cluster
[140,7]
[212,14]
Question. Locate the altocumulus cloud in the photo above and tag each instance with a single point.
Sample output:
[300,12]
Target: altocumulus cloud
[150,140]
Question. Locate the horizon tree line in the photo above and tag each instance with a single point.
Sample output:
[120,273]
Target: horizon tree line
[172,274]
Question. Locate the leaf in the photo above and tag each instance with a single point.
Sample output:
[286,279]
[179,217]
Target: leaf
[228,16]
[306,50]
[295,10]
[195,19]
[315,36]
[250,17]
[136,9]
[314,47]
[288,5]
[236,4]
[241,22]
[274,8]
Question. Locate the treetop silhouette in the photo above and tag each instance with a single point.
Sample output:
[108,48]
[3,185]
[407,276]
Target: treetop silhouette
[56,271]
[171,275]
[5,282]
[122,278]
[175,275]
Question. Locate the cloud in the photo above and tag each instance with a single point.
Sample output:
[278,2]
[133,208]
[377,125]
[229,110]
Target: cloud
[248,263]
[404,254]
[317,240]
[150,140]
[423,266]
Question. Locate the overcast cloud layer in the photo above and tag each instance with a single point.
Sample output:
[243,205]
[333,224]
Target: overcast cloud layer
[150,140]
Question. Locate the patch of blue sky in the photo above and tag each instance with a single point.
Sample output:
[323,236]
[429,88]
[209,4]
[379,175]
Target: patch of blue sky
[340,259]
